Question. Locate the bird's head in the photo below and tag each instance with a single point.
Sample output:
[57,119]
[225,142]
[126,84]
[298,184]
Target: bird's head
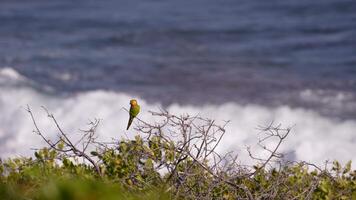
[133,102]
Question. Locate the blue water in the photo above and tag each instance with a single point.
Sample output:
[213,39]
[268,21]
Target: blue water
[278,52]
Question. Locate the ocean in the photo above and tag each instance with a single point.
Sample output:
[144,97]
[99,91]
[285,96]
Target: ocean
[251,62]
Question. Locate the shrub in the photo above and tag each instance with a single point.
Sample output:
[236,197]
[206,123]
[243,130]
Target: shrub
[173,159]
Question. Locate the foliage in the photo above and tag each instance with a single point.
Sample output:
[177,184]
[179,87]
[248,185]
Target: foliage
[172,159]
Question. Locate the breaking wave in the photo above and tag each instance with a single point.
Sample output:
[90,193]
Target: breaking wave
[314,138]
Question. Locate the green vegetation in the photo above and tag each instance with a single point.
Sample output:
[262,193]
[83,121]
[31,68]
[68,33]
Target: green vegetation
[173,159]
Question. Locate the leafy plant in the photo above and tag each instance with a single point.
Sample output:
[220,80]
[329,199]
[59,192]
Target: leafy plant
[173,159]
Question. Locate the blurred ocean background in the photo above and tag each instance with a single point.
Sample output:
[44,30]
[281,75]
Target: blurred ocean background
[251,62]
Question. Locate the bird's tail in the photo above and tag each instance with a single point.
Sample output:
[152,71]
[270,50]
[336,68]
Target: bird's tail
[130,122]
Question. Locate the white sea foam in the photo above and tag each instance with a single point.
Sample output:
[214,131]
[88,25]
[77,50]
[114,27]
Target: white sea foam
[314,138]
[9,74]
[330,98]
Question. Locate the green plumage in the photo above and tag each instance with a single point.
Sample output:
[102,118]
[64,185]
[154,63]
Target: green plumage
[134,110]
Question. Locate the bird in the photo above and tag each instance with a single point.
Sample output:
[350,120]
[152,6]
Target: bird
[134,110]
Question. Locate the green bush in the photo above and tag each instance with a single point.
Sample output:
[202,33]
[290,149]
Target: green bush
[174,159]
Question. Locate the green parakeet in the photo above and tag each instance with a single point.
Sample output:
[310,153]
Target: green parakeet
[134,110]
